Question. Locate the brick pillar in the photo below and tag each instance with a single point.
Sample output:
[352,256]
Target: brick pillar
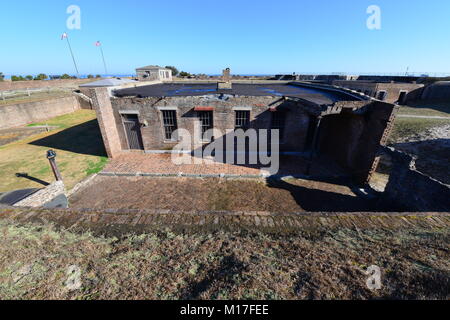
[102,105]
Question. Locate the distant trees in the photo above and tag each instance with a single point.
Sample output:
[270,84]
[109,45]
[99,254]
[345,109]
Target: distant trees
[184,74]
[90,76]
[17,78]
[65,76]
[174,70]
[29,77]
[41,76]
[2,76]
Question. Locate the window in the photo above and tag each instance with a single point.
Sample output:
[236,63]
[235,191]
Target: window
[278,122]
[242,120]
[206,123]
[170,123]
[382,95]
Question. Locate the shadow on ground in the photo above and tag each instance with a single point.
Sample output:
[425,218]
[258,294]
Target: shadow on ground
[314,200]
[84,138]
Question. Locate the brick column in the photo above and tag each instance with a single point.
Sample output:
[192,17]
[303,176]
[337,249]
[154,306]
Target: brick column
[105,116]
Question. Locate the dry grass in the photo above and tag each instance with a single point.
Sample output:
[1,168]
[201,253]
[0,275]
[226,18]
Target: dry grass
[77,142]
[35,260]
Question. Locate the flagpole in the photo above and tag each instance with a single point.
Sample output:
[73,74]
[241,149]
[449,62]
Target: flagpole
[103,57]
[73,57]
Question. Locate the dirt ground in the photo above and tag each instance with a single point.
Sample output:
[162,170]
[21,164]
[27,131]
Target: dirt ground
[40,262]
[194,194]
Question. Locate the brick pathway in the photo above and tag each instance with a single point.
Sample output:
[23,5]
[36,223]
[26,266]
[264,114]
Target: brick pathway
[119,222]
[132,163]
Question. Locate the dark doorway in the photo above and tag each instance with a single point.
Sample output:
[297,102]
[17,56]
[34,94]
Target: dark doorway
[402,97]
[311,131]
[133,131]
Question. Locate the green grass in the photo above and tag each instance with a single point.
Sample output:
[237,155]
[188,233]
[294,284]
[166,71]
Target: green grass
[420,108]
[96,167]
[405,127]
[77,142]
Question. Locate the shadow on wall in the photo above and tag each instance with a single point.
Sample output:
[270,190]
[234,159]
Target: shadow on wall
[84,139]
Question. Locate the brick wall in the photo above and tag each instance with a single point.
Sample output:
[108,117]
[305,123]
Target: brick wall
[353,140]
[392,89]
[23,113]
[223,117]
[102,105]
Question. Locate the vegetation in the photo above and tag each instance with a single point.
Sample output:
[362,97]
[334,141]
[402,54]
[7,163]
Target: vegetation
[174,70]
[90,76]
[98,76]
[77,142]
[168,263]
[41,76]
[17,78]
[65,76]
[2,76]
[406,127]
[184,74]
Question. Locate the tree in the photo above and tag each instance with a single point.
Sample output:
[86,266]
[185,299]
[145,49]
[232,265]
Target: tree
[184,74]
[29,78]
[17,78]
[174,70]
[98,76]
[2,76]
[41,76]
[65,76]
[90,76]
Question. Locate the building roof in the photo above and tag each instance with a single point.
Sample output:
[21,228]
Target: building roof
[315,95]
[113,82]
[152,68]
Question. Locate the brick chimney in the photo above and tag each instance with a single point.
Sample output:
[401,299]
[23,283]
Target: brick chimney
[225,84]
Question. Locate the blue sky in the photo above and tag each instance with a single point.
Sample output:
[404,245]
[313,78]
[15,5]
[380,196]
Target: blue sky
[205,36]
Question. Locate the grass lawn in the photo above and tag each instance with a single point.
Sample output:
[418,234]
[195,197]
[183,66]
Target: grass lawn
[405,127]
[38,262]
[420,108]
[35,97]
[78,145]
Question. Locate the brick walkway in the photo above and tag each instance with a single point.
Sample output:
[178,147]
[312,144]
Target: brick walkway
[138,221]
[132,163]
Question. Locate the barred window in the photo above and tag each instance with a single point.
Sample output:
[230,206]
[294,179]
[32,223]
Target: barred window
[242,119]
[206,122]
[279,122]
[170,123]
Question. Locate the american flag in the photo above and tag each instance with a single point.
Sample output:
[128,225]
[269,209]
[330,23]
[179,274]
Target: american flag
[64,36]
[98,44]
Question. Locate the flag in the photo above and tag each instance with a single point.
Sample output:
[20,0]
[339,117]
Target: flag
[98,44]
[64,36]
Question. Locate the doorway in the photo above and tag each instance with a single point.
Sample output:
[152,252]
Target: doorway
[132,129]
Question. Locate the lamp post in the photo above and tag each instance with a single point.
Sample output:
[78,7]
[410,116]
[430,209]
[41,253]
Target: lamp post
[51,156]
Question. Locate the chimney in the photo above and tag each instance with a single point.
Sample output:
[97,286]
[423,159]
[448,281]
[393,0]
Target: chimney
[225,84]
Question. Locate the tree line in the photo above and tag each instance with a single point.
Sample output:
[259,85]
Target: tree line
[43,76]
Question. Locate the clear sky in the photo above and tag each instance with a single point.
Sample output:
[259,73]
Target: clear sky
[205,36]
